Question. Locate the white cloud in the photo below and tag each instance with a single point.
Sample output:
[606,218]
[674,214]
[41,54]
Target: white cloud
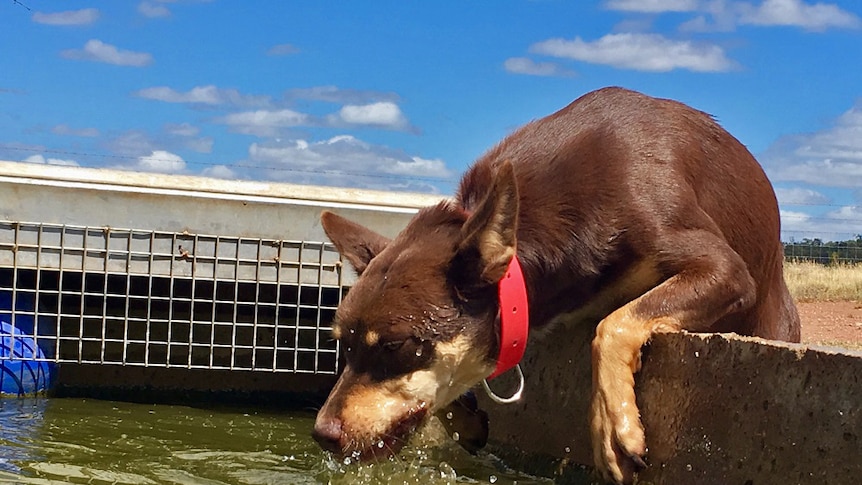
[187,136]
[382,114]
[723,16]
[153,10]
[641,52]
[264,122]
[206,95]
[160,161]
[838,225]
[157,9]
[800,196]
[133,143]
[66,130]
[524,65]
[84,16]
[796,13]
[418,166]
[182,129]
[200,145]
[347,161]
[212,95]
[830,157]
[267,121]
[283,50]
[219,172]
[652,6]
[721,22]
[98,51]
[50,161]
[334,94]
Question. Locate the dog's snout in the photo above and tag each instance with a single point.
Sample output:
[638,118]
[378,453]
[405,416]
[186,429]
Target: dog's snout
[327,432]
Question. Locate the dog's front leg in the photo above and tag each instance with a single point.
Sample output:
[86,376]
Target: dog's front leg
[617,434]
[693,299]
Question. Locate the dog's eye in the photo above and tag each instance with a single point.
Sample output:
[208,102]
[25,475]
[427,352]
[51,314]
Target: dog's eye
[393,344]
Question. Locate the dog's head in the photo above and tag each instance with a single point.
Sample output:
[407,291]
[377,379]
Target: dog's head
[417,328]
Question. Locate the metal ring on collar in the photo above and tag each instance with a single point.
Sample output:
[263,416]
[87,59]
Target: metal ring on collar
[514,397]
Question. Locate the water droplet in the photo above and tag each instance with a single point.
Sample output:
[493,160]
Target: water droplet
[380,444]
[492,479]
[418,351]
[352,331]
[568,450]
[688,467]
[449,415]
[696,353]
[456,436]
[347,460]
[447,472]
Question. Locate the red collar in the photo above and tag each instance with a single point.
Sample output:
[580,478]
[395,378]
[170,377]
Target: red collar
[514,318]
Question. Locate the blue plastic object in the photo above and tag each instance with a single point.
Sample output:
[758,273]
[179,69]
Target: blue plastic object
[22,371]
[24,367]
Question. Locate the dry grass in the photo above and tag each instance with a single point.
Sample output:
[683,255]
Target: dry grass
[816,282]
[841,344]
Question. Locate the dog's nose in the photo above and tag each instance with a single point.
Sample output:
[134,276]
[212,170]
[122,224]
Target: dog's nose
[327,432]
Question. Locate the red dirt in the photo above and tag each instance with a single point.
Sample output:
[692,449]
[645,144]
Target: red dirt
[837,323]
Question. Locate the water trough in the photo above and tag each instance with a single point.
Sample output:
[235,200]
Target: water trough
[717,408]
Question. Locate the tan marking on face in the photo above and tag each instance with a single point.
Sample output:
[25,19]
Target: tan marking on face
[457,366]
[372,409]
[371,338]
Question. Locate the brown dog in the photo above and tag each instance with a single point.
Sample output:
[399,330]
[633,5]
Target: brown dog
[641,214]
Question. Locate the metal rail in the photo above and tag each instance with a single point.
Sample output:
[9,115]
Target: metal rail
[137,297]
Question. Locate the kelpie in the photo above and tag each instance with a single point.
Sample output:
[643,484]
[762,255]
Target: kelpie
[638,213]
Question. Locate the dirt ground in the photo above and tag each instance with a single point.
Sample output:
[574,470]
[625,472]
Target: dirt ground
[834,323]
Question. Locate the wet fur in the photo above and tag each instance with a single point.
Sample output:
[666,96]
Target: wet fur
[638,213]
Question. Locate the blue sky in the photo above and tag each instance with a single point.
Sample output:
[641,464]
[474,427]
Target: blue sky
[405,95]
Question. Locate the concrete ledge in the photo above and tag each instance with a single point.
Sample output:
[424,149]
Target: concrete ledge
[717,408]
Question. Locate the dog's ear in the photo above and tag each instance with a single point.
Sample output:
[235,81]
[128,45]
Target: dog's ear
[490,231]
[356,243]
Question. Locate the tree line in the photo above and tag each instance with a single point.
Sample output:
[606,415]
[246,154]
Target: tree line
[825,252]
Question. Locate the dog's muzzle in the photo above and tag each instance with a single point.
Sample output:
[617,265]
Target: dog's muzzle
[329,432]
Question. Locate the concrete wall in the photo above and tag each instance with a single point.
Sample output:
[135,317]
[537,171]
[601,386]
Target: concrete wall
[718,409]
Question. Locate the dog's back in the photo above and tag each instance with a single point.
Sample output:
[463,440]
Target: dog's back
[604,179]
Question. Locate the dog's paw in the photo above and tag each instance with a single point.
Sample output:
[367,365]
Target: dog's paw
[465,422]
[618,439]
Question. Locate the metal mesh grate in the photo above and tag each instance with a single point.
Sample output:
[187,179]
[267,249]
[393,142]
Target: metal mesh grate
[164,299]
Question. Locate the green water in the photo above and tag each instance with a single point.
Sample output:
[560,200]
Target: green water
[86,441]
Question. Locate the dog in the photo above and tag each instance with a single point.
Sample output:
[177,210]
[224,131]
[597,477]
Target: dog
[639,213]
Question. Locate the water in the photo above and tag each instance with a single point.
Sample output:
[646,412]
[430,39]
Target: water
[86,441]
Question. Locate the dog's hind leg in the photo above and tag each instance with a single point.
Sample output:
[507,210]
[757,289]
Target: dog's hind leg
[707,281]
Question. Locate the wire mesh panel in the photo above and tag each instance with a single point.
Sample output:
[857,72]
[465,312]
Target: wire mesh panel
[164,299]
